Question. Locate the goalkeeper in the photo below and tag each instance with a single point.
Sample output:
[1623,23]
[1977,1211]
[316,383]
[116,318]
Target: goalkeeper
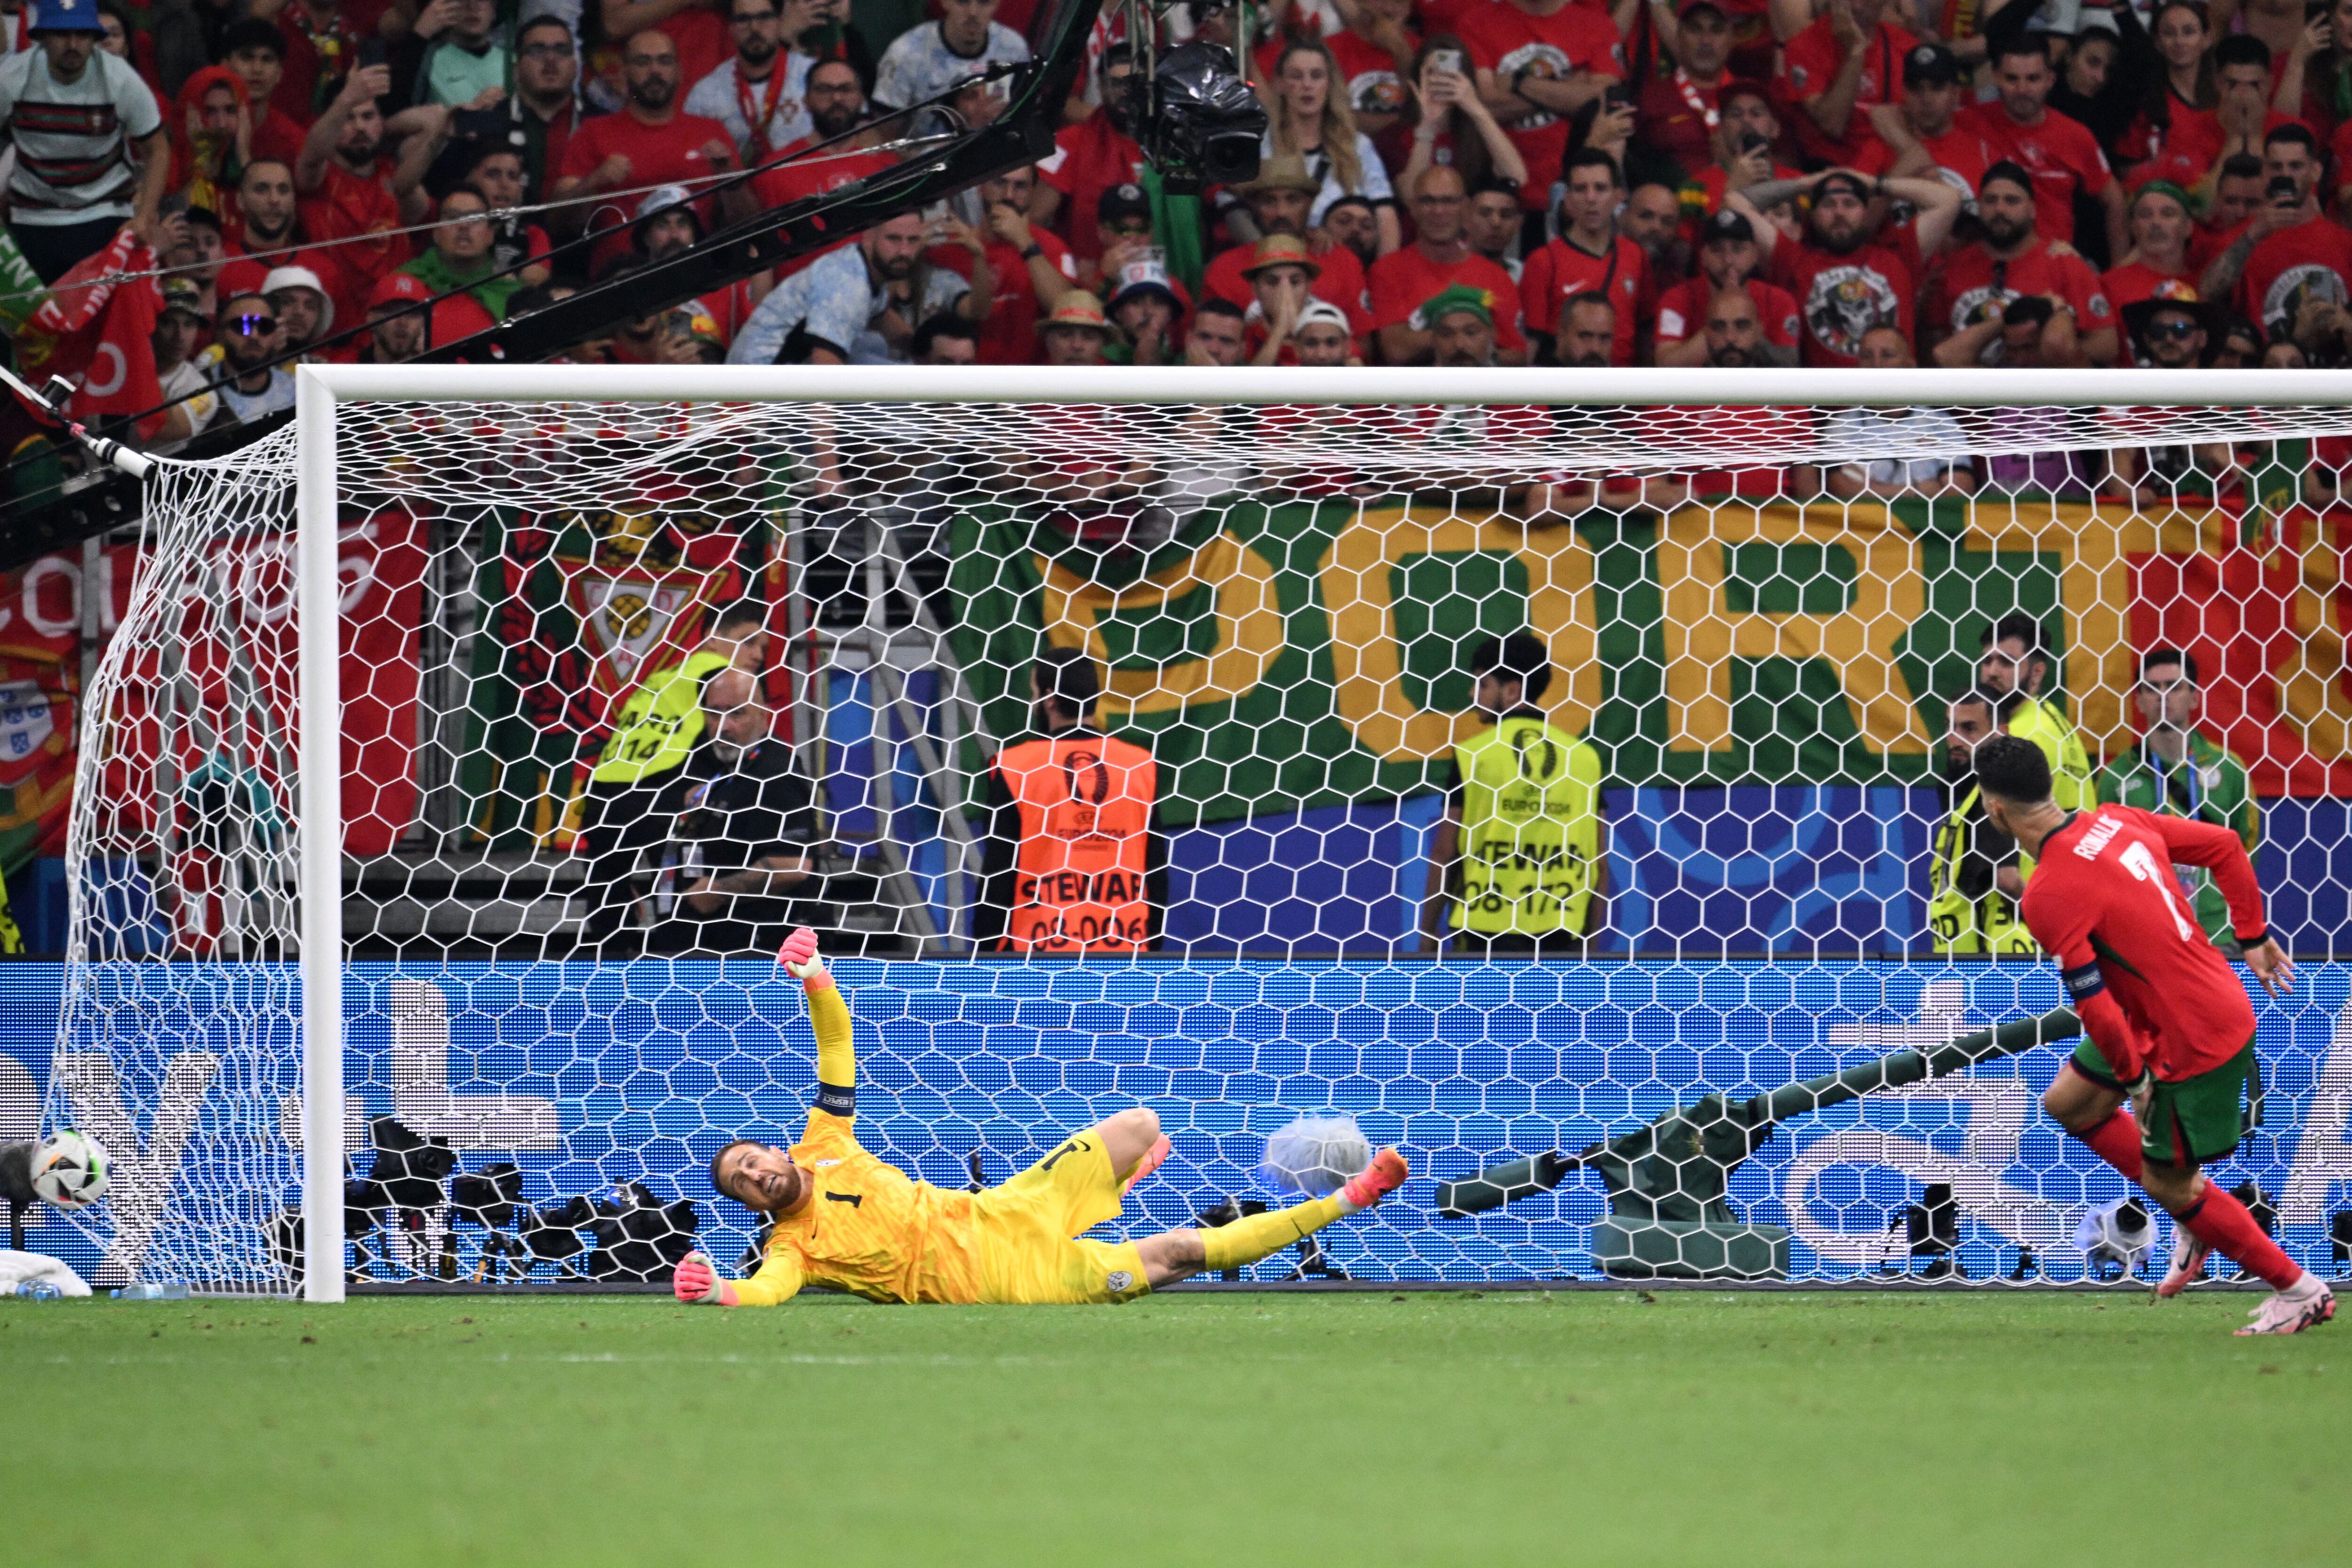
[843,1217]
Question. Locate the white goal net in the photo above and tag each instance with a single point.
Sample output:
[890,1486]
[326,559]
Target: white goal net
[629,688]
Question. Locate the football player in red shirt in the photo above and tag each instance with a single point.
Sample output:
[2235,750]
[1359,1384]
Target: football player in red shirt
[1964,310]
[1589,257]
[1834,71]
[2166,1022]
[2060,152]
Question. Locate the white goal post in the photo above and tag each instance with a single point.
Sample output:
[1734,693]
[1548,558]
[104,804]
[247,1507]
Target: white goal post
[2143,407]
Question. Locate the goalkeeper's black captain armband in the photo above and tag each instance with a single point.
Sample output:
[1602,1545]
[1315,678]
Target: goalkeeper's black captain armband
[833,1097]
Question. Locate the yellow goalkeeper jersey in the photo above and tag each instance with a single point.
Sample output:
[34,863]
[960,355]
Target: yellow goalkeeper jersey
[869,1229]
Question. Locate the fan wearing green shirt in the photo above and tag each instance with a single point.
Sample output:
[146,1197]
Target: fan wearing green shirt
[2177,771]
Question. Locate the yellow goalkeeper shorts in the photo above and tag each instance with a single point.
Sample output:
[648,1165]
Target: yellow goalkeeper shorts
[1030,1250]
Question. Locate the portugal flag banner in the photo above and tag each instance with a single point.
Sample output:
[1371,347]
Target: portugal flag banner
[93,329]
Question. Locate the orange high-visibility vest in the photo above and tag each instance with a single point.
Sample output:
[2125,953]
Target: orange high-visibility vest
[1086,823]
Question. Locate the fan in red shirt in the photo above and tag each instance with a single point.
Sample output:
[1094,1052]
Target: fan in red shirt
[1032,267]
[1678,114]
[1589,257]
[1846,277]
[346,192]
[1965,308]
[1438,259]
[649,143]
[836,106]
[2197,139]
[2166,1023]
[256,52]
[1929,118]
[1541,61]
[1090,158]
[1731,336]
[1833,71]
[2286,254]
[2157,263]
[2060,152]
[1742,150]
[1728,258]
[1279,199]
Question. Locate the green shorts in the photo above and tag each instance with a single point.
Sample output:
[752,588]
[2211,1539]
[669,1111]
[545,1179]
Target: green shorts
[2197,1119]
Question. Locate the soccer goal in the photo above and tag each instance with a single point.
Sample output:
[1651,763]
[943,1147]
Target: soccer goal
[463,749]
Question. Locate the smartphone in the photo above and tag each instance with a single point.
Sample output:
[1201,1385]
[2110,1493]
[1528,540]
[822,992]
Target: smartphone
[372,52]
[1453,60]
[1617,95]
[2282,192]
[1754,142]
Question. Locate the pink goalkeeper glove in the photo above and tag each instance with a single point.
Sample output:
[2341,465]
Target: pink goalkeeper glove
[798,956]
[697,1281]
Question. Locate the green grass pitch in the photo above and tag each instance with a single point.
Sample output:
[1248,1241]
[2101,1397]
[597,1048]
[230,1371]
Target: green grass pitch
[1217,1429]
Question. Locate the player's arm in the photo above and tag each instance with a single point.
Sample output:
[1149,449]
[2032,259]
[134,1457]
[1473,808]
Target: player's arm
[2219,850]
[777,1281]
[2063,922]
[837,1047]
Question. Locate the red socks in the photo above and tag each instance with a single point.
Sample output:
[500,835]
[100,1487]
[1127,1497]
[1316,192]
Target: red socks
[2116,1140]
[2217,1219]
[2221,1222]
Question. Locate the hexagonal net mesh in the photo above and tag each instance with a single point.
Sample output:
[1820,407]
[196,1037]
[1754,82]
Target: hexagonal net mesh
[1507,778]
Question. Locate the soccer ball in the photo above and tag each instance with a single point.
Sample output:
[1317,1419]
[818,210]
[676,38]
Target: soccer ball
[70,1171]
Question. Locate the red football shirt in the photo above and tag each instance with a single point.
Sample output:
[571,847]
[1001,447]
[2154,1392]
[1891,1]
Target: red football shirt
[1341,283]
[1505,39]
[788,182]
[1681,311]
[345,205]
[1676,116]
[666,154]
[1403,280]
[2060,154]
[1841,297]
[2134,281]
[1702,195]
[1088,159]
[1977,284]
[2311,260]
[2103,900]
[1810,62]
[1009,336]
[1562,269]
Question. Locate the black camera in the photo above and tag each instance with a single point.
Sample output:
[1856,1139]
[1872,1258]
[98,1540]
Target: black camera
[1204,126]
[639,1238]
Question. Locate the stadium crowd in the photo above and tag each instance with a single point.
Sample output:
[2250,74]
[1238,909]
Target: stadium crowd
[1719,183]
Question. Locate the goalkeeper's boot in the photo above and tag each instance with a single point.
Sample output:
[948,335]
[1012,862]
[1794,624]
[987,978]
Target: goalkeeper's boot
[2188,1263]
[1150,1162]
[1374,1182]
[2306,1305]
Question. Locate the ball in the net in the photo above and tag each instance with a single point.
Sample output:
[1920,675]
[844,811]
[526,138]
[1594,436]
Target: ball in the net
[1315,1155]
[70,1170]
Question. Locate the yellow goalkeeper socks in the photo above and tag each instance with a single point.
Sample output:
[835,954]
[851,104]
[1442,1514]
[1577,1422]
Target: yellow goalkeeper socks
[1263,1235]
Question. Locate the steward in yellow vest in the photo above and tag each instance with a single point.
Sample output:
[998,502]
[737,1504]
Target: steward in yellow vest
[1075,861]
[1976,876]
[2015,661]
[1517,864]
[637,788]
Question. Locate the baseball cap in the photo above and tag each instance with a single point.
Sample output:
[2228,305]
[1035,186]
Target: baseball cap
[1148,275]
[67,16]
[1321,310]
[1688,6]
[1728,224]
[182,294]
[1127,201]
[661,197]
[398,289]
[1853,183]
[2006,169]
[1931,63]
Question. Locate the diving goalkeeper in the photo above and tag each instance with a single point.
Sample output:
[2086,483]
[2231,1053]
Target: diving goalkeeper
[845,1218]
